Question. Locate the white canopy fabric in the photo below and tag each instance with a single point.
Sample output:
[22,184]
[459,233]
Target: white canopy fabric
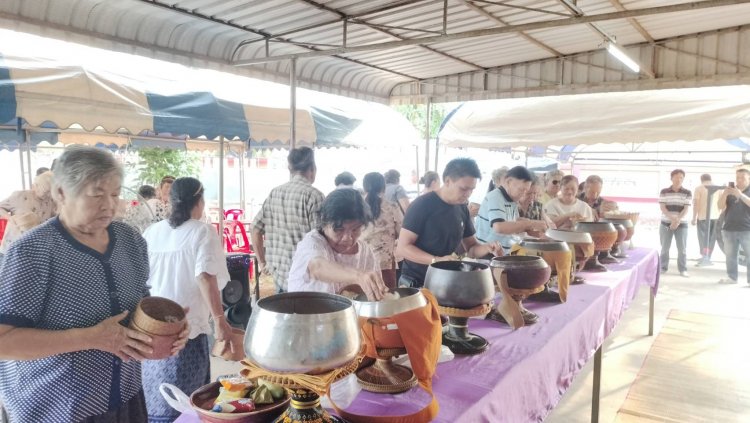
[620,117]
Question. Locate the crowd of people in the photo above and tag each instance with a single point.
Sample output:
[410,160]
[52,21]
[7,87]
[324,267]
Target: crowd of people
[89,271]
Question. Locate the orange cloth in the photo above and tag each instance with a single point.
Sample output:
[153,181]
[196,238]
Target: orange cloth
[560,261]
[421,332]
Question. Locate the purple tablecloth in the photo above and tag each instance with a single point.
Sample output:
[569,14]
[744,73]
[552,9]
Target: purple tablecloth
[525,372]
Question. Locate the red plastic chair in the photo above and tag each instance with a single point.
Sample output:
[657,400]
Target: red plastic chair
[3,224]
[237,237]
[234,214]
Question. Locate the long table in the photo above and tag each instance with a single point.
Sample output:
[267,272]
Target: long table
[524,373]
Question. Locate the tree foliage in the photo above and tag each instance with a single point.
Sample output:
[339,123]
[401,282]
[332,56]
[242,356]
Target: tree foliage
[416,114]
[155,163]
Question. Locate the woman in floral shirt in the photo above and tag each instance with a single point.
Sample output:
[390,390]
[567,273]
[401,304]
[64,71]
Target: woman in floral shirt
[27,209]
[381,235]
[160,206]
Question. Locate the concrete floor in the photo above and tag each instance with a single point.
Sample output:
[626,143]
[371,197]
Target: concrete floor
[628,345]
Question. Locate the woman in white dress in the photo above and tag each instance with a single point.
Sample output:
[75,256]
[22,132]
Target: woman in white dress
[332,257]
[187,265]
[566,209]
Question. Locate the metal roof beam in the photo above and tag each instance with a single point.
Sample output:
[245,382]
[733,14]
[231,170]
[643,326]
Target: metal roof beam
[266,35]
[383,29]
[578,20]
[530,9]
[633,22]
[523,35]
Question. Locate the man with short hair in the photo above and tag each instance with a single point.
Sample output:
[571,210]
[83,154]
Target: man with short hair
[674,202]
[438,222]
[705,216]
[736,231]
[592,195]
[498,218]
[290,211]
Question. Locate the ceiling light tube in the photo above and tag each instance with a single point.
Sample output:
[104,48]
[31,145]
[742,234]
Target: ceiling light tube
[623,57]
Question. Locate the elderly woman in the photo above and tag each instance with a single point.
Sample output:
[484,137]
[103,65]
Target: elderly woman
[331,257]
[187,266]
[431,181]
[160,205]
[27,209]
[551,186]
[66,353]
[381,235]
[566,209]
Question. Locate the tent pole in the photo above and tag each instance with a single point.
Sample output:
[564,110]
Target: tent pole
[293,102]
[20,150]
[416,158]
[221,186]
[28,156]
[427,135]
[437,150]
[243,153]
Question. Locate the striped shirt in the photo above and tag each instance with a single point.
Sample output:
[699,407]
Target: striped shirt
[497,207]
[675,202]
[290,211]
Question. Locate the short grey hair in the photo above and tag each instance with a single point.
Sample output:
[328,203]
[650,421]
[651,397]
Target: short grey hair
[594,179]
[553,174]
[80,166]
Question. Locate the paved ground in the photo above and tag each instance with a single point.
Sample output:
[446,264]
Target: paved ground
[626,348]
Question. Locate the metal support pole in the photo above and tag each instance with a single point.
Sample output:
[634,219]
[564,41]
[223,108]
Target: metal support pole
[651,313]
[437,150]
[28,156]
[293,102]
[221,187]
[22,142]
[445,17]
[597,385]
[416,158]
[427,135]
[243,204]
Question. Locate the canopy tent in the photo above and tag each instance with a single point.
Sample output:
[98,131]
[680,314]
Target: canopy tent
[47,92]
[646,116]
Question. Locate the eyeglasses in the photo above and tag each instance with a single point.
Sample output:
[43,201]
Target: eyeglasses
[555,181]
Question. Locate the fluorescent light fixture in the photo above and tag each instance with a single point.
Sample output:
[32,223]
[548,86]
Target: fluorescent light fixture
[622,56]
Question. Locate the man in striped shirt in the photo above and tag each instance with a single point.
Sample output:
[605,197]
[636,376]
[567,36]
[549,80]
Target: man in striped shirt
[674,202]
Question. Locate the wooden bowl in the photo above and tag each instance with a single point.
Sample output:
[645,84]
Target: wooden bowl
[163,320]
[203,398]
[159,316]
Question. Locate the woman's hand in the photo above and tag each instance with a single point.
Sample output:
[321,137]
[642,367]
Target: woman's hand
[223,332]
[373,285]
[181,341]
[110,336]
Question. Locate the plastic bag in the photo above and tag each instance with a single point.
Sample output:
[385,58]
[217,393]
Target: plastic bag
[343,392]
[176,399]
[445,355]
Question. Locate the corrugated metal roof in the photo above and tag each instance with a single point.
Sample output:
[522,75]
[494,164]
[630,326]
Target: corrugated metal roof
[219,33]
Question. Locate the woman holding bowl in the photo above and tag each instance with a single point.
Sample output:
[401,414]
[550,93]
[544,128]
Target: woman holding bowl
[67,289]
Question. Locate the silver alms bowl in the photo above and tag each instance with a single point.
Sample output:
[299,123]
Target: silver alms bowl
[411,299]
[460,284]
[302,332]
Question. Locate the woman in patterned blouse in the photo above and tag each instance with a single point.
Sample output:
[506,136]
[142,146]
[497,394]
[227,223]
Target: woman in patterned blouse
[381,235]
[26,209]
[160,206]
[68,286]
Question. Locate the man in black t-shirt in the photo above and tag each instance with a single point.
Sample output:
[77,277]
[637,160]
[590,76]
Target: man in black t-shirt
[735,200]
[438,222]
